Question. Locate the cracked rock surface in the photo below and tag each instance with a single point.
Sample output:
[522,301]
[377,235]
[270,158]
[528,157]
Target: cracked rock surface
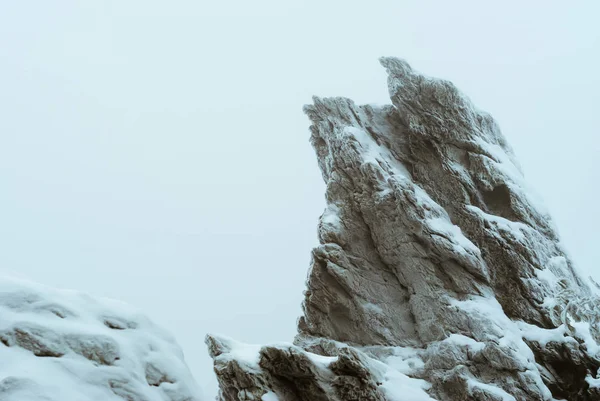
[66,346]
[439,275]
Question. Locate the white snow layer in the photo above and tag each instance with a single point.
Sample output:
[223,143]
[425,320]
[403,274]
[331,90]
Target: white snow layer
[270,396]
[497,391]
[65,345]
[375,153]
[396,385]
[247,355]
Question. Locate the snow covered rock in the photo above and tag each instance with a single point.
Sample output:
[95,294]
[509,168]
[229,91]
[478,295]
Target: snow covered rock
[439,274]
[288,372]
[67,346]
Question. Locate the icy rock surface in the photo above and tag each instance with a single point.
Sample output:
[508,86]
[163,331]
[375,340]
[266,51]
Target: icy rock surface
[58,345]
[439,274]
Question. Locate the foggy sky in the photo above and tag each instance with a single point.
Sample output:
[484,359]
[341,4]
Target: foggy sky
[156,151]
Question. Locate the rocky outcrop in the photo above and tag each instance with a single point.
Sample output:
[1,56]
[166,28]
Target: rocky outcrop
[66,346]
[439,274]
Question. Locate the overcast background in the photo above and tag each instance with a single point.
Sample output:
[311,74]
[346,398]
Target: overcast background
[156,151]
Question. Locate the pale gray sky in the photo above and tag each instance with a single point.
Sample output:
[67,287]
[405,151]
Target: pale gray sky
[156,151]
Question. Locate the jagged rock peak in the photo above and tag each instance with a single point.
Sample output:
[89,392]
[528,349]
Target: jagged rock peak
[439,274]
[58,345]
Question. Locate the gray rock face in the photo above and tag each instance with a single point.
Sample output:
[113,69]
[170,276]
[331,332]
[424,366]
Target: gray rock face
[66,346]
[438,275]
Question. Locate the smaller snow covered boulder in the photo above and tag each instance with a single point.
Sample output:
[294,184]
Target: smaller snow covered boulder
[65,345]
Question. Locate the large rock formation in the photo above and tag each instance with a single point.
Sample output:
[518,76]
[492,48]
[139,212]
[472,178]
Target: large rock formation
[66,346]
[439,274]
